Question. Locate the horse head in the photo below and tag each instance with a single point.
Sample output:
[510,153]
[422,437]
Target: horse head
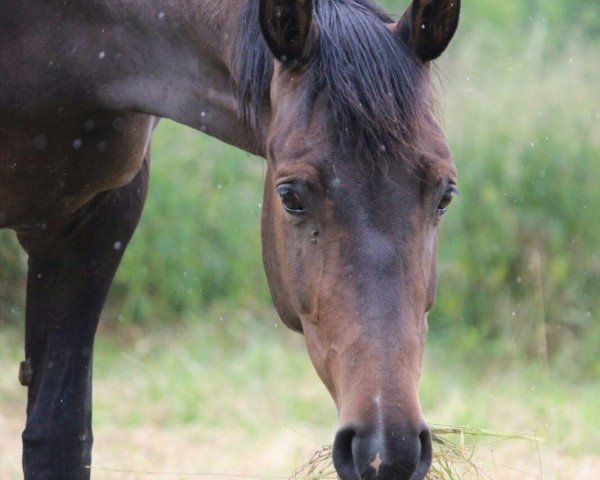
[359,176]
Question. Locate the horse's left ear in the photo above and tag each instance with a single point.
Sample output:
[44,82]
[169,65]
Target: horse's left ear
[286,26]
[428,26]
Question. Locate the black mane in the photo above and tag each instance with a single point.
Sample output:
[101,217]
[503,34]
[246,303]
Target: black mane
[378,91]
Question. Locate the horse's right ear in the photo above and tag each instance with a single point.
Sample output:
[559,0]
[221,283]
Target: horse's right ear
[427,26]
[286,26]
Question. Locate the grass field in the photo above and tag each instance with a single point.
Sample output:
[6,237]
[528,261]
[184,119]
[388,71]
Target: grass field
[236,394]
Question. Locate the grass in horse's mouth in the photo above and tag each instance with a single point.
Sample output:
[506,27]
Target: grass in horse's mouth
[454,454]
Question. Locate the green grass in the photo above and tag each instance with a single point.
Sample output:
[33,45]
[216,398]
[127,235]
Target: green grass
[518,253]
[232,354]
[240,396]
[245,357]
[199,237]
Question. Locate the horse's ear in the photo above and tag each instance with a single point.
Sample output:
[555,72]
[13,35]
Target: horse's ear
[428,26]
[286,26]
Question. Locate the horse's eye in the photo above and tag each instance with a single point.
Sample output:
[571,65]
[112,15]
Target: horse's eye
[446,200]
[290,199]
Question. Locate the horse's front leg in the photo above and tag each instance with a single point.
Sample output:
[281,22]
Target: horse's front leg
[70,272]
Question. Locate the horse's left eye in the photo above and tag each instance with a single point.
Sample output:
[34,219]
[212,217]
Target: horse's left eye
[446,200]
[290,199]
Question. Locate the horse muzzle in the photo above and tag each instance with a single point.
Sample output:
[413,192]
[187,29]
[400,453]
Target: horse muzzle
[384,453]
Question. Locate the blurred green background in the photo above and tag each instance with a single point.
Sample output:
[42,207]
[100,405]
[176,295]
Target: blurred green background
[519,287]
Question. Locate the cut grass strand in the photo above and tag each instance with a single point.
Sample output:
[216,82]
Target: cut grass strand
[453,455]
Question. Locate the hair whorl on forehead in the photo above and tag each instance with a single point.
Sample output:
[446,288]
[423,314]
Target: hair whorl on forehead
[378,91]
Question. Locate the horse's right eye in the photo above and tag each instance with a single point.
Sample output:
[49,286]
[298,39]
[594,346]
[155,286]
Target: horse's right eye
[290,199]
[449,194]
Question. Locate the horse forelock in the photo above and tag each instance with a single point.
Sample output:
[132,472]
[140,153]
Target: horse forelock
[379,93]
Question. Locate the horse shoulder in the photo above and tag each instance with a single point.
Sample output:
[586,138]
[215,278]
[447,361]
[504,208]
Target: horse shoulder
[50,170]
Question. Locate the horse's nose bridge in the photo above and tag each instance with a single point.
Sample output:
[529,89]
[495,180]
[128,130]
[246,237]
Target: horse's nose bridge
[381,367]
[378,327]
[377,250]
[382,265]
[377,380]
[369,330]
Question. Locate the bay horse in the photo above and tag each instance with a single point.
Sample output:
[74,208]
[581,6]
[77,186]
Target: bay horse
[335,95]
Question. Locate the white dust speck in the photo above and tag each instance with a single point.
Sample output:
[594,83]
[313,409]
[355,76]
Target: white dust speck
[117,245]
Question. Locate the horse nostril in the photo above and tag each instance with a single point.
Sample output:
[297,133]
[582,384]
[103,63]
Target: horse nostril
[387,454]
[426,453]
[343,457]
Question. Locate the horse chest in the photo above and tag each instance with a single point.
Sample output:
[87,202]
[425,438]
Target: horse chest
[47,172]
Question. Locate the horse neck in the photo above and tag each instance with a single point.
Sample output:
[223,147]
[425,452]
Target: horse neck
[177,65]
